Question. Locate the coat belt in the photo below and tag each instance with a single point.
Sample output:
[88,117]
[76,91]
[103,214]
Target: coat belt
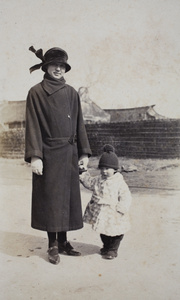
[72,139]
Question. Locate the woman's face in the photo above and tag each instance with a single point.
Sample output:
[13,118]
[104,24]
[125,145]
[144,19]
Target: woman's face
[56,70]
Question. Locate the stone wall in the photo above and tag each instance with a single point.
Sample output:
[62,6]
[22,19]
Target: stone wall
[143,139]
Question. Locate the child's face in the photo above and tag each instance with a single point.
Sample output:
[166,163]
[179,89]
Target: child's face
[56,70]
[107,172]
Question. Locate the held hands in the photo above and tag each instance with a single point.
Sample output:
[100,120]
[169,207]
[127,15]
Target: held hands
[83,162]
[37,165]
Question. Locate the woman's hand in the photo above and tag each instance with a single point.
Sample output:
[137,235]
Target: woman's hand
[37,165]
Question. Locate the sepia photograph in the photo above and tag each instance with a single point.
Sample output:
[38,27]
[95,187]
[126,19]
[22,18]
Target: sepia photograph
[90,150]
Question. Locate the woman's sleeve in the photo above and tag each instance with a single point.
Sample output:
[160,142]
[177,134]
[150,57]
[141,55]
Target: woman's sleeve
[82,138]
[33,137]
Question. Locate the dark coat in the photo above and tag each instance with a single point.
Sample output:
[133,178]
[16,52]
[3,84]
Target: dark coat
[55,132]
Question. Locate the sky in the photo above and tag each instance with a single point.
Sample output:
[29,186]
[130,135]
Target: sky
[127,52]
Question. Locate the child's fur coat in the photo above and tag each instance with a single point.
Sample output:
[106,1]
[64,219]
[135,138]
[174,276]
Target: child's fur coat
[108,209]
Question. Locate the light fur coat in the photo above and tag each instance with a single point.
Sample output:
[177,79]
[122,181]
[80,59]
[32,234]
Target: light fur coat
[108,209]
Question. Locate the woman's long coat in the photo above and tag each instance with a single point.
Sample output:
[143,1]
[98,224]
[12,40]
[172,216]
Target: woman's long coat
[55,132]
[108,210]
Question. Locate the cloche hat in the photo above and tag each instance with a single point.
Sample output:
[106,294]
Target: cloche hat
[109,159]
[53,55]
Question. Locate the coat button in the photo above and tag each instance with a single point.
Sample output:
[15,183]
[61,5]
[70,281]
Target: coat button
[69,116]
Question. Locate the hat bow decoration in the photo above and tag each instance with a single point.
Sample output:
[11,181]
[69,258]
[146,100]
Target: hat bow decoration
[39,54]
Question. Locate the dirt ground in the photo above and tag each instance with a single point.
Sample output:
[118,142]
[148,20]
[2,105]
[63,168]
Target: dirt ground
[148,264]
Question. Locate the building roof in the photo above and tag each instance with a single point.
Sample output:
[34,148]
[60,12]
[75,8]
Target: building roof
[134,114]
[12,111]
[91,111]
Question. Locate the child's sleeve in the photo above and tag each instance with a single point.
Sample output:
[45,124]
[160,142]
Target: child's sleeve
[87,180]
[124,198]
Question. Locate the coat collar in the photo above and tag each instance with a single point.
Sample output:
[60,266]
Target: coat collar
[51,85]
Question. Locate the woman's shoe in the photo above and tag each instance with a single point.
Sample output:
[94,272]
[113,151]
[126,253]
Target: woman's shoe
[67,249]
[53,255]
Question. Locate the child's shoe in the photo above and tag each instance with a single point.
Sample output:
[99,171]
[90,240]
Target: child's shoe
[67,249]
[113,247]
[110,254]
[53,255]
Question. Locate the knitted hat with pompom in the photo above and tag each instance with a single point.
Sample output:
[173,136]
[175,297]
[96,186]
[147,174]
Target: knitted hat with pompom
[109,159]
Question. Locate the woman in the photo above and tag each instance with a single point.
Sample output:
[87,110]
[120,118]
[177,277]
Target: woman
[55,141]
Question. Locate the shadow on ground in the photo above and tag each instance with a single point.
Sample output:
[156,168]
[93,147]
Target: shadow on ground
[21,245]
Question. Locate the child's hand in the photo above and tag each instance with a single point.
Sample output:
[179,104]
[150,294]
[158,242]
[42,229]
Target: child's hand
[37,165]
[81,168]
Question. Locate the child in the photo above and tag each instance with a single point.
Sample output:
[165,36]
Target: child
[54,142]
[107,211]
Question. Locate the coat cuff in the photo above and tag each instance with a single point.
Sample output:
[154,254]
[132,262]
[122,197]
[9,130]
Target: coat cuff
[33,153]
[84,151]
